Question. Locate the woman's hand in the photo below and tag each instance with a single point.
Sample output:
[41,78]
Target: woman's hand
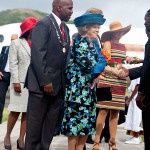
[17,87]
[126,71]
[128,102]
[115,71]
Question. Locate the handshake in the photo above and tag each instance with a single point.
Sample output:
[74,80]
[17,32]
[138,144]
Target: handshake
[118,71]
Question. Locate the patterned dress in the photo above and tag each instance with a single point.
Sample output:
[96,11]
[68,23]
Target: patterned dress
[118,86]
[80,100]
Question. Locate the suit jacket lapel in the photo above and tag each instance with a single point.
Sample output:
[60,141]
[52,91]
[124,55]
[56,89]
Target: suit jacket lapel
[26,46]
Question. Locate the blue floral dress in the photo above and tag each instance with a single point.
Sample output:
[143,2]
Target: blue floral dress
[80,100]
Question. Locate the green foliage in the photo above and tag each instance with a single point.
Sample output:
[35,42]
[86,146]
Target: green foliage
[70,22]
[18,15]
[5,114]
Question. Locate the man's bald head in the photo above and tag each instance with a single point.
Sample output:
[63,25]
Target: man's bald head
[57,3]
[14,36]
[63,9]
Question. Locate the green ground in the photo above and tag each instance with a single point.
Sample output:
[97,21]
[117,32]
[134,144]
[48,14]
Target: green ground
[5,114]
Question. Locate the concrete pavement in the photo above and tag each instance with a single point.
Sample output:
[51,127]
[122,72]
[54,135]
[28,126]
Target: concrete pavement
[60,142]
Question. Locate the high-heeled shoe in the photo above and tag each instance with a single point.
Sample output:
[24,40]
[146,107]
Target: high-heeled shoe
[8,147]
[18,146]
[95,143]
[111,144]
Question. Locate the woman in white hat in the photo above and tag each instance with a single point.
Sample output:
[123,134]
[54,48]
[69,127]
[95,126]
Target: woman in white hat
[116,88]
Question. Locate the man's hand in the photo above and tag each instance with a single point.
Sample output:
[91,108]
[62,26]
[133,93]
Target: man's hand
[48,89]
[125,72]
[139,101]
[17,87]
[118,72]
[1,75]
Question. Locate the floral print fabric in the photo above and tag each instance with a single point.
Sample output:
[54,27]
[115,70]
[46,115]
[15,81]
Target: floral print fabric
[80,99]
[78,120]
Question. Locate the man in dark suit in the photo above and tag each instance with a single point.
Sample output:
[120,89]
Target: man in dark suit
[46,75]
[4,75]
[143,97]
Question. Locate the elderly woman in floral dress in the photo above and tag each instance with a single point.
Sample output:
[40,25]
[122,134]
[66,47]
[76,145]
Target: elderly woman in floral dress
[80,111]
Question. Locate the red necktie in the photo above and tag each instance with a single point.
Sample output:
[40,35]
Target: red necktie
[62,31]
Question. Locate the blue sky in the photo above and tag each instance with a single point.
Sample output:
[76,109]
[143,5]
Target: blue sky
[126,11]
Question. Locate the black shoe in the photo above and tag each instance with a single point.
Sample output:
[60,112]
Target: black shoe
[8,147]
[18,146]
[84,148]
[101,139]
[90,140]
[106,140]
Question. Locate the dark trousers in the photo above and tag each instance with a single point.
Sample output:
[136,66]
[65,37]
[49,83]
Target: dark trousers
[42,117]
[59,123]
[4,84]
[146,124]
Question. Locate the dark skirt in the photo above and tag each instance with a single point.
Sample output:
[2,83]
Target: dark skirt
[78,120]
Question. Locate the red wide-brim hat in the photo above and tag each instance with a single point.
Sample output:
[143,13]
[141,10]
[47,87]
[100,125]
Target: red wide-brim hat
[27,25]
